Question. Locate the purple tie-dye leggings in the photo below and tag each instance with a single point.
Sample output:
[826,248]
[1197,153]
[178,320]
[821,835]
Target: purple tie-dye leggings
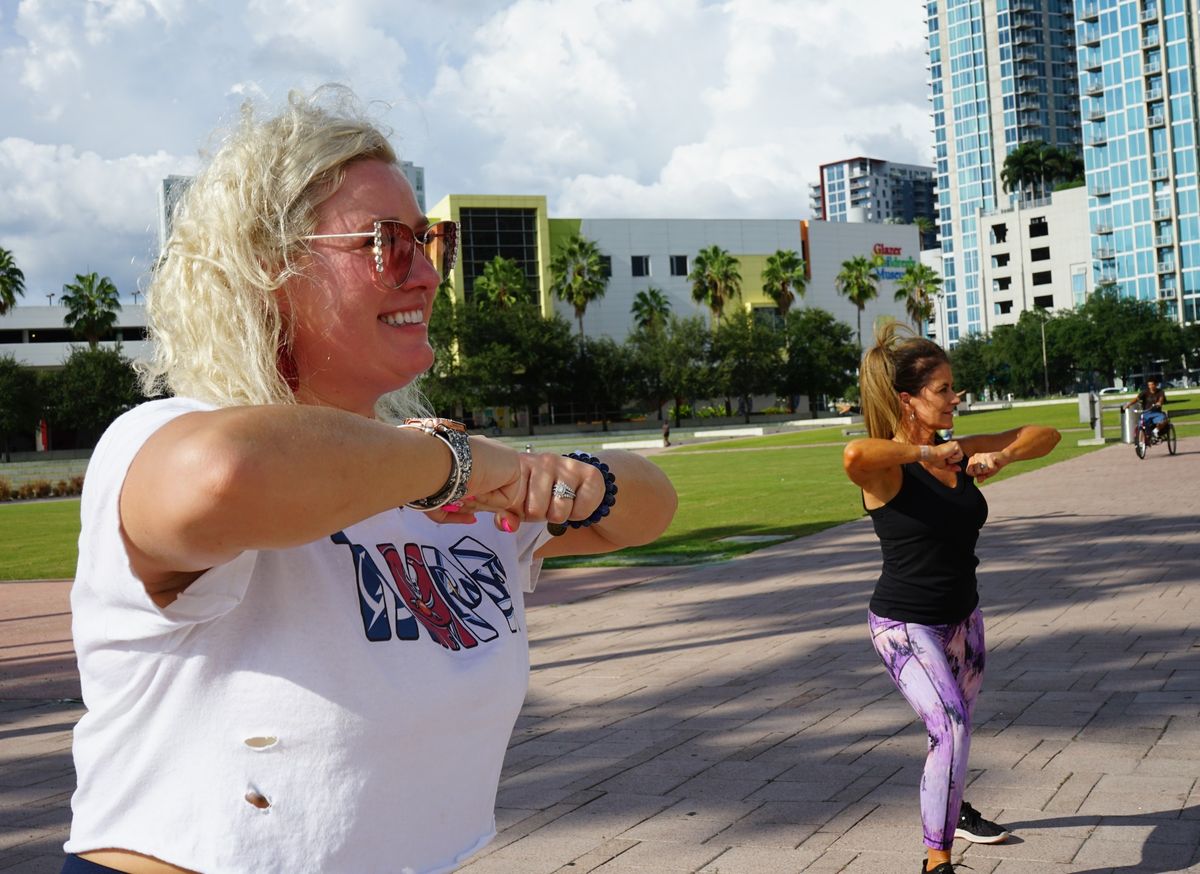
[938,669]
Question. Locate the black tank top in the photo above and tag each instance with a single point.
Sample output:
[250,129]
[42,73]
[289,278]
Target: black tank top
[928,534]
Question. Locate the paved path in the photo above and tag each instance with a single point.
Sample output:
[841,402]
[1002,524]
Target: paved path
[732,718]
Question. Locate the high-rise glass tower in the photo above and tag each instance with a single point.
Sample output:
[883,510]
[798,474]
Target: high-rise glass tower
[1138,61]
[1001,73]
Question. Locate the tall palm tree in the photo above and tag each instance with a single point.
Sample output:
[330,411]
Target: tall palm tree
[918,287]
[12,281]
[92,303]
[650,308]
[578,276]
[1023,170]
[715,279]
[857,281]
[784,278]
[925,228]
[501,284]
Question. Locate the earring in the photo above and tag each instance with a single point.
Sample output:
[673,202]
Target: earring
[912,414]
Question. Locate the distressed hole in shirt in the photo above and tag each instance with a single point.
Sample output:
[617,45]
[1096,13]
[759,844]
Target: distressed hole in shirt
[262,742]
[256,799]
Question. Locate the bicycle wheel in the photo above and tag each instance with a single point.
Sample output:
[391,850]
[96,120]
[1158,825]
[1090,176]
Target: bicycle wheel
[1172,443]
[1139,442]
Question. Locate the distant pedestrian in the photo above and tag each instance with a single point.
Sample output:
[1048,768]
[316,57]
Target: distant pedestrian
[924,616]
[666,432]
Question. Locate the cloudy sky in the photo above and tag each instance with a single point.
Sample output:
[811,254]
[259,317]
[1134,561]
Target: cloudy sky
[611,108]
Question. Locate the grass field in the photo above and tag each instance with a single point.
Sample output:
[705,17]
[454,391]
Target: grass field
[784,485]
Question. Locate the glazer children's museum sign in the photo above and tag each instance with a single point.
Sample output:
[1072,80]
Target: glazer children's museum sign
[894,262]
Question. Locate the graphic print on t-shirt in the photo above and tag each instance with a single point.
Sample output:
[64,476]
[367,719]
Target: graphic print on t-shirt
[425,588]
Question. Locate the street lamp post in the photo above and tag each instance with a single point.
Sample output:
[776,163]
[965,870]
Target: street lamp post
[50,297]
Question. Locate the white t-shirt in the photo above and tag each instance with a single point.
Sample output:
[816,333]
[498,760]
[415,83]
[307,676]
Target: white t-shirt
[363,687]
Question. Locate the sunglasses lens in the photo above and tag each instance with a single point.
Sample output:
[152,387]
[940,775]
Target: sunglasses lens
[441,247]
[395,245]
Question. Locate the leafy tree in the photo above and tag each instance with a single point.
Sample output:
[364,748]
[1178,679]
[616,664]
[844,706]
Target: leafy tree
[784,278]
[92,303]
[746,354]
[820,356]
[94,387]
[1112,335]
[12,281]
[603,378]
[19,404]
[646,351]
[650,307]
[971,362]
[715,279]
[514,357]
[687,368]
[501,284]
[858,280]
[918,287]
[578,276]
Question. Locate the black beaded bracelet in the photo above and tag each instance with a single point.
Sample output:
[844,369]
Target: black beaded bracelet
[610,489]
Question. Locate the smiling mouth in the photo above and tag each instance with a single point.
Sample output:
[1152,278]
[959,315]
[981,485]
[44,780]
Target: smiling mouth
[403,317]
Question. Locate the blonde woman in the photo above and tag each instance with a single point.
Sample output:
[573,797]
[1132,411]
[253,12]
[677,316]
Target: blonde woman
[297,651]
[924,616]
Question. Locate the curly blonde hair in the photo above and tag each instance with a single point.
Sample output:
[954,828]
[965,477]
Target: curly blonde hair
[898,362]
[212,303]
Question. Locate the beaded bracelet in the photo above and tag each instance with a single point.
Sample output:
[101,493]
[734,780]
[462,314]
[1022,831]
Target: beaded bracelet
[610,489]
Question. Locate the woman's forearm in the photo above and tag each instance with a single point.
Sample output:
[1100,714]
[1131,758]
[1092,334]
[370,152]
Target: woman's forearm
[1032,441]
[210,485]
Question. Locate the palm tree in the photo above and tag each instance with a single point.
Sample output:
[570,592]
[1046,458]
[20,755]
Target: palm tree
[925,227]
[857,282]
[1023,169]
[578,276]
[92,302]
[650,308]
[918,287]
[715,279]
[12,281]
[784,278]
[501,284]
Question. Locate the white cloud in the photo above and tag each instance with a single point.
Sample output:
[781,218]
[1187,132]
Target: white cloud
[610,108]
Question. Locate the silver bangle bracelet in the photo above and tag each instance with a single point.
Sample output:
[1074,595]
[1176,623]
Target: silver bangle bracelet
[454,435]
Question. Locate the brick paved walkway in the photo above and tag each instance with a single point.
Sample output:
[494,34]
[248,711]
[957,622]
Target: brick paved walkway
[732,718]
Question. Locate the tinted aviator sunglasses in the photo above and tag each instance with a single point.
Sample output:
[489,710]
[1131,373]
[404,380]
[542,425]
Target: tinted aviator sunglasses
[395,245]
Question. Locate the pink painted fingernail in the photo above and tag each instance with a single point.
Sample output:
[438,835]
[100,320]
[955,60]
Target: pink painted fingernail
[506,525]
[451,508]
[469,498]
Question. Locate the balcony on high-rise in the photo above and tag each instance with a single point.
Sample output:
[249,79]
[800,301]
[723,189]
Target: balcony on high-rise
[1152,66]
[1148,13]
[1090,12]
[1162,210]
[1093,86]
[1090,35]
[1091,61]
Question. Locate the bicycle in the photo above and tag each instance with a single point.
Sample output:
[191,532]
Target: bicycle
[1144,436]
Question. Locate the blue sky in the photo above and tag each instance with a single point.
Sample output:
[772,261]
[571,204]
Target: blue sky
[611,108]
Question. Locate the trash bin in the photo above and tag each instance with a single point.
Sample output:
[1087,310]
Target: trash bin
[1129,420]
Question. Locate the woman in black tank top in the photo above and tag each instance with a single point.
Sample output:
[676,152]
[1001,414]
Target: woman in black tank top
[921,493]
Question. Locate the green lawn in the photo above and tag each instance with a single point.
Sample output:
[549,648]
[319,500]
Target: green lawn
[38,540]
[789,488]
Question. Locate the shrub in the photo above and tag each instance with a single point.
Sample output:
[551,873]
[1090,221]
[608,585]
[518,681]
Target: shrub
[711,412]
[6,489]
[77,484]
[62,488]
[773,411]
[42,488]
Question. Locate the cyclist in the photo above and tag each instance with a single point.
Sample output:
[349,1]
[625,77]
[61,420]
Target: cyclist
[1151,399]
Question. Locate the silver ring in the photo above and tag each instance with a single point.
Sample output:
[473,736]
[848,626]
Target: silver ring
[562,490]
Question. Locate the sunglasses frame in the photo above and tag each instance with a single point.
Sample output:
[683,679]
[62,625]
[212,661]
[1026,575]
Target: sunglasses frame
[436,231]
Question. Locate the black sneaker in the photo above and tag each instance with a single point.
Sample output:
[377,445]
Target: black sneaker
[974,828]
[944,868]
